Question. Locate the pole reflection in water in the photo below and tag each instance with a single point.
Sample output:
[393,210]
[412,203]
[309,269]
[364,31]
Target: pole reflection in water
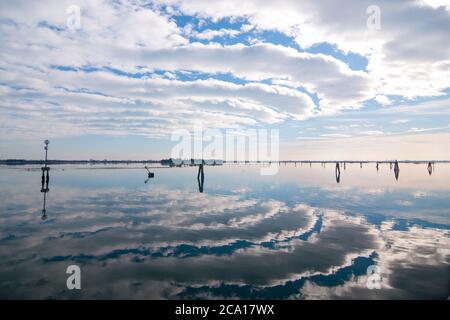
[44,189]
[45,179]
[338,173]
[396,170]
[44,211]
[200,177]
[430,168]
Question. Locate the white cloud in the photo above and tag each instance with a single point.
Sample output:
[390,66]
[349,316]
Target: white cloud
[383,100]
[335,135]
[153,106]
[400,121]
[128,37]
[403,55]
[211,34]
[371,133]
[414,129]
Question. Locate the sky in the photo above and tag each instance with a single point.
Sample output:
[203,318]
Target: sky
[338,80]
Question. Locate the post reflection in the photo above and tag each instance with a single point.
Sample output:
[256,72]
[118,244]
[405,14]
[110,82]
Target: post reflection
[200,177]
[45,179]
[44,189]
[396,170]
[338,173]
[430,168]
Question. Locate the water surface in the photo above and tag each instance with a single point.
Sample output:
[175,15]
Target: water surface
[295,235]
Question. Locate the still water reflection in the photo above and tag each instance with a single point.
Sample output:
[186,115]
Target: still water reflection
[295,235]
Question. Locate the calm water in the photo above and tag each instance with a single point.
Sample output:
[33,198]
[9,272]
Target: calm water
[295,235]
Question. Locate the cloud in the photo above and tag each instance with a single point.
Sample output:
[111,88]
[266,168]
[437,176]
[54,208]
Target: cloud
[416,255]
[383,100]
[136,103]
[101,79]
[371,133]
[335,135]
[402,55]
[413,145]
[211,34]
[400,121]
[137,69]
[415,130]
[177,218]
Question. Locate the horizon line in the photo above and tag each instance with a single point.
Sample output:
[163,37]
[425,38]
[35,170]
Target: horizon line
[67,161]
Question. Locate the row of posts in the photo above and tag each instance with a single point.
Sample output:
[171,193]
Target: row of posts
[395,165]
[45,179]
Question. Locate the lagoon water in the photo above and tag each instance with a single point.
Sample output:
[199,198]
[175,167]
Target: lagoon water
[294,235]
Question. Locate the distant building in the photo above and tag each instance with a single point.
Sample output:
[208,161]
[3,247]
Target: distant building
[191,162]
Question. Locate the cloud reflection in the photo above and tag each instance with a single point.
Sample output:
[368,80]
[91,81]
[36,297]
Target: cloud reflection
[171,243]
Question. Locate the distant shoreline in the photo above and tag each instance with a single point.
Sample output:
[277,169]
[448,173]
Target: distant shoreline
[164,162]
[18,162]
